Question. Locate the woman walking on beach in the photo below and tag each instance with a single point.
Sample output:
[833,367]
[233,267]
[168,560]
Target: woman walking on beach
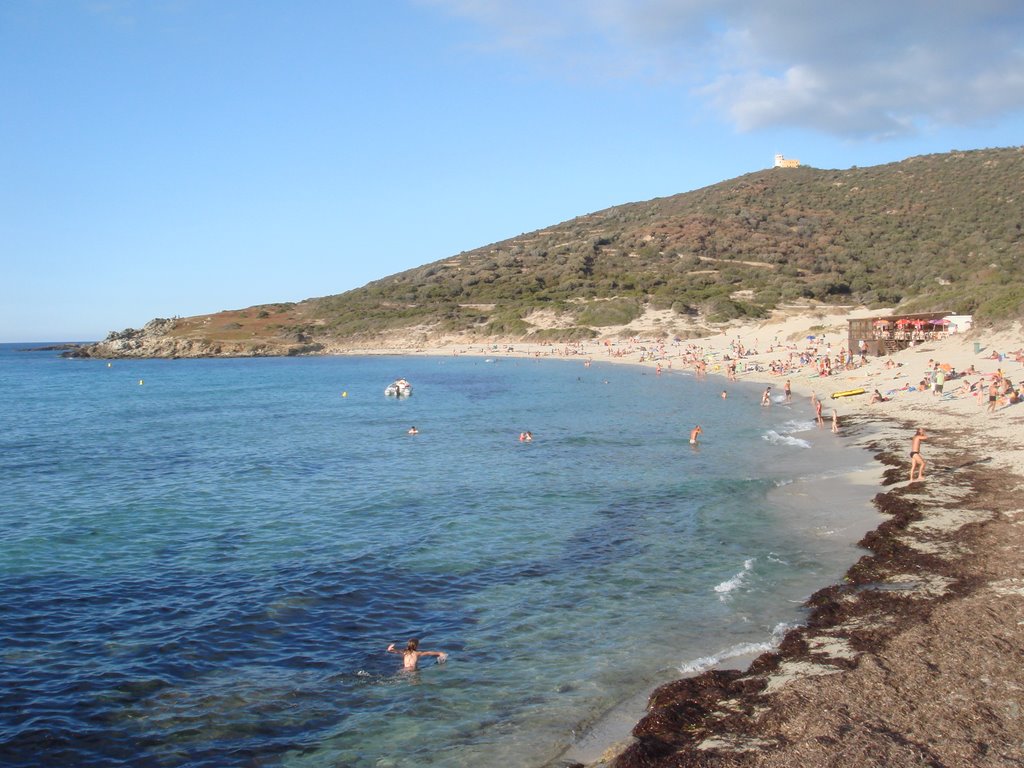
[916,459]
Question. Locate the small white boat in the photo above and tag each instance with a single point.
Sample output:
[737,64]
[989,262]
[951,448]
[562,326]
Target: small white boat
[398,388]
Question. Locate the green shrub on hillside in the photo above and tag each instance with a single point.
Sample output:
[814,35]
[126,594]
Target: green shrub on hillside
[722,310]
[576,333]
[610,312]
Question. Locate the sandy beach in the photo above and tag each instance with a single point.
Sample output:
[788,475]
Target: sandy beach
[916,657]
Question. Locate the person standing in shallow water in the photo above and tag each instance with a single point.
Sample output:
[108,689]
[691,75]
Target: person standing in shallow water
[693,434]
[412,653]
[916,459]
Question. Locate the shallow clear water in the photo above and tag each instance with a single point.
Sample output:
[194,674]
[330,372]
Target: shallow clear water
[205,568]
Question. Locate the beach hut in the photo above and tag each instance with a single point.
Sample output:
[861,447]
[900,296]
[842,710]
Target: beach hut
[885,335]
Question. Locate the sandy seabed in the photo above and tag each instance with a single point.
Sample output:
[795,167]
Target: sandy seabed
[917,657]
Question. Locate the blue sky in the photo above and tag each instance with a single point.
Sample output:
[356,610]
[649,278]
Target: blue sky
[179,157]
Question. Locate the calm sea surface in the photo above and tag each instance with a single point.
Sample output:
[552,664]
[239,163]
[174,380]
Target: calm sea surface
[202,561]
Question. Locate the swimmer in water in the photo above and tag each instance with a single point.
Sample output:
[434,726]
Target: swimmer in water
[693,434]
[412,653]
[413,431]
[766,398]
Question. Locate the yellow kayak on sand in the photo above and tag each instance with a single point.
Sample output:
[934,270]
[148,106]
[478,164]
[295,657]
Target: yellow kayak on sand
[847,393]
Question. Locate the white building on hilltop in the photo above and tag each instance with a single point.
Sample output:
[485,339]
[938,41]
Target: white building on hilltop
[782,162]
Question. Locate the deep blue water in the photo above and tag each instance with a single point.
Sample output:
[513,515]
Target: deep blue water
[202,561]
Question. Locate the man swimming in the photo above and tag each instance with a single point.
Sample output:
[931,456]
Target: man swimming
[693,434]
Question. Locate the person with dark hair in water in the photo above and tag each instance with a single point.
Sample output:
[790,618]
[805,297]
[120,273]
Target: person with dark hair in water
[412,653]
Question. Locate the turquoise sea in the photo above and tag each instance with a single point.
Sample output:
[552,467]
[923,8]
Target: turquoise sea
[203,561]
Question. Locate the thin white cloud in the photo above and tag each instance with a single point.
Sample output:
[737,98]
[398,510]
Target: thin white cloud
[868,69]
[122,12]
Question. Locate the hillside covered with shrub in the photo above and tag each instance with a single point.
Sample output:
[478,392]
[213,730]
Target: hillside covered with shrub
[939,232]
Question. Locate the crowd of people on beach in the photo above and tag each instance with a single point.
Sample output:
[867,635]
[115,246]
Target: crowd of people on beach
[812,357]
[993,390]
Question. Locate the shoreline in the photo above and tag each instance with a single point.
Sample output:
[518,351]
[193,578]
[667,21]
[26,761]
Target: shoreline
[915,657]
[931,617]
[610,733]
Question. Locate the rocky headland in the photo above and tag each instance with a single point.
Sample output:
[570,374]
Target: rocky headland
[173,338]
